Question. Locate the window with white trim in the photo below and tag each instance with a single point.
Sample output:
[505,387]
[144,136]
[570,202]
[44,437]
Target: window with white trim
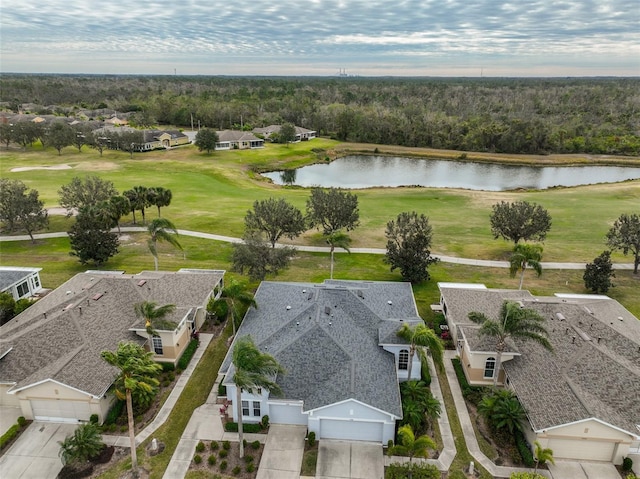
[489,368]
[403,360]
[256,408]
[245,408]
[157,345]
[23,289]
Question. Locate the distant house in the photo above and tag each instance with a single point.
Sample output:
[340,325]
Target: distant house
[20,282]
[302,134]
[338,343]
[50,364]
[158,139]
[238,140]
[583,399]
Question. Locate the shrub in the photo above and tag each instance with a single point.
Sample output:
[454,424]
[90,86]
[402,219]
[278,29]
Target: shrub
[236,470]
[9,435]
[389,443]
[312,439]
[222,389]
[255,445]
[627,464]
[189,351]
[248,458]
[415,471]
[223,453]
[523,449]
[250,467]
[115,412]
[214,445]
[212,460]
[250,428]
[424,371]
[244,443]
[167,366]
[264,421]
[226,445]
[218,308]
[200,446]
[22,422]
[93,419]
[197,458]
[223,465]
[84,444]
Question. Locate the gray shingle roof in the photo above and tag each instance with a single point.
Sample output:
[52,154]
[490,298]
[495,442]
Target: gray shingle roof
[10,276]
[327,337]
[51,340]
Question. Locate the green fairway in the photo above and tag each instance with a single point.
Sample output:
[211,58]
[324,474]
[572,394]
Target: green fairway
[212,193]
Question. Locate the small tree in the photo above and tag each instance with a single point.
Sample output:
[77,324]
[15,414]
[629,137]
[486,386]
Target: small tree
[258,258]
[7,307]
[206,140]
[410,445]
[520,220]
[60,135]
[408,243]
[542,455]
[275,218]
[332,211]
[137,371]
[91,238]
[625,235]
[597,275]
[120,206]
[161,229]
[21,209]
[85,444]
[525,255]
[86,191]
[287,133]
[160,197]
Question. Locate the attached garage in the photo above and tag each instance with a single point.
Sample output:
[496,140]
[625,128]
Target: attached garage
[591,450]
[351,430]
[57,410]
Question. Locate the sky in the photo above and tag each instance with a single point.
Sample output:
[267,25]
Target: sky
[471,38]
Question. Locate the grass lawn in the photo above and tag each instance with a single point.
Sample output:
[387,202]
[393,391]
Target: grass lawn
[212,192]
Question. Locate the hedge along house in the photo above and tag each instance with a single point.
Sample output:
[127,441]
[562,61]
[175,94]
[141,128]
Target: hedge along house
[337,342]
[50,363]
[583,399]
[20,282]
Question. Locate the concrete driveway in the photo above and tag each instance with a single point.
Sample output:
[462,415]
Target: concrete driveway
[282,454]
[35,453]
[349,460]
[583,470]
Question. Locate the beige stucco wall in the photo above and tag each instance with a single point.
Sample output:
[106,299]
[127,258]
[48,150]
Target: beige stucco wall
[8,399]
[473,365]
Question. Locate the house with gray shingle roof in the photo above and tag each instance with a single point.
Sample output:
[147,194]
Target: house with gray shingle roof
[302,134]
[238,140]
[343,360]
[20,282]
[50,363]
[583,399]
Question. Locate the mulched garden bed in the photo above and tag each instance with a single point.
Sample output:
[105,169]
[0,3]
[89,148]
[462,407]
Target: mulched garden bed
[246,468]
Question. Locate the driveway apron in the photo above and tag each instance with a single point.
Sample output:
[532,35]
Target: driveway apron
[349,460]
[282,454]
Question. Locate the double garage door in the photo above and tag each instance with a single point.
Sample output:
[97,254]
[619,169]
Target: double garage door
[60,410]
[351,430]
[582,449]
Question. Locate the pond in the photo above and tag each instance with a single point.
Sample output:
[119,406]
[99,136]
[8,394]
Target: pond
[388,171]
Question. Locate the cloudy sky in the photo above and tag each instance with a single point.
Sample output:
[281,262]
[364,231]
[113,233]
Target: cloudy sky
[318,37]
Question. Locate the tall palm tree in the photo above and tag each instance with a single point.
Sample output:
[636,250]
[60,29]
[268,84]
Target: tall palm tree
[338,240]
[160,197]
[514,322]
[410,445]
[161,229]
[238,299]
[542,455]
[154,316]
[137,372]
[525,255]
[253,369]
[422,337]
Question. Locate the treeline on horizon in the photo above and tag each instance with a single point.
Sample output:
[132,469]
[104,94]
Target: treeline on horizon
[504,115]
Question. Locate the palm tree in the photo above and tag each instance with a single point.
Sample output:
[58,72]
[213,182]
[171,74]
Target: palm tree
[85,443]
[410,445]
[542,455]
[237,298]
[525,255]
[161,229]
[160,197]
[502,409]
[137,373]
[154,316]
[339,240]
[514,322]
[417,395]
[422,337]
[253,370]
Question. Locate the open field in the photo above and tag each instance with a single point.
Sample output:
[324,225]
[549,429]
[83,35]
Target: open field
[213,192]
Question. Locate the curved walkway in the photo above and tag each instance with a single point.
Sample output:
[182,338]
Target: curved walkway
[325,249]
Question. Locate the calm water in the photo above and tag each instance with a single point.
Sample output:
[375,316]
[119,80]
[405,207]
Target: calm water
[370,171]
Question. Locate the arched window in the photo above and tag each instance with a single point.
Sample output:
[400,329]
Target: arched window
[403,360]
[489,368]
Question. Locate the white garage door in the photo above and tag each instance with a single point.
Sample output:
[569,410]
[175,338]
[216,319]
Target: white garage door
[350,430]
[582,449]
[60,410]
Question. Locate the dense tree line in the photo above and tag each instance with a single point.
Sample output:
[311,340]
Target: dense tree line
[573,115]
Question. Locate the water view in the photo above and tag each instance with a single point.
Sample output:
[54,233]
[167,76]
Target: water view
[385,171]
